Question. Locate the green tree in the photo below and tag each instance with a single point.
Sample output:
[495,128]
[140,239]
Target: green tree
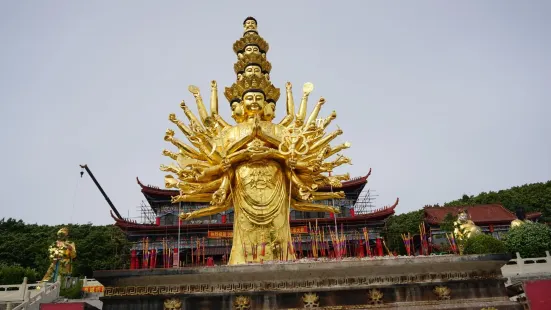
[530,240]
[484,244]
[447,223]
[402,224]
[14,274]
[98,247]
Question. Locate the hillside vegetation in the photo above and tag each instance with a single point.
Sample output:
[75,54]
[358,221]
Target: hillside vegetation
[533,197]
[98,247]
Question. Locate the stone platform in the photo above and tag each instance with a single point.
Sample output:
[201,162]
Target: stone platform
[431,282]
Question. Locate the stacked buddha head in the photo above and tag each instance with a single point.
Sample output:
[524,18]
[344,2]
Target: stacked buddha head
[252,96]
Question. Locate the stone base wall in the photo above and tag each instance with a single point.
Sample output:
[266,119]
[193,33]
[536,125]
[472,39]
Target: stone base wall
[451,282]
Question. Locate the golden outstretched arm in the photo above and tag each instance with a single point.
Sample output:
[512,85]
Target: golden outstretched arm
[312,207]
[205,211]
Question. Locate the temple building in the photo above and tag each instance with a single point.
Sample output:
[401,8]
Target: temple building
[160,229]
[492,219]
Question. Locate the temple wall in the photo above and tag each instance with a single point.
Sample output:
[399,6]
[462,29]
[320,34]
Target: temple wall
[436,282]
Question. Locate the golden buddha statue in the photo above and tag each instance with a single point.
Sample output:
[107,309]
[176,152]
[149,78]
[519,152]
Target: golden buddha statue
[464,227]
[259,168]
[521,218]
[62,253]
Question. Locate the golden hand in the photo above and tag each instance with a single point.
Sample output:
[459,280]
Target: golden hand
[288,86]
[218,197]
[172,117]
[307,88]
[169,134]
[256,126]
[184,216]
[226,165]
[291,162]
[194,90]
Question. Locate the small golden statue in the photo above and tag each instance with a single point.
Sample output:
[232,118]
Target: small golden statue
[375,296]
[442,292]
[242,303]
[260,168]
[521,218]
[172,304]
[311,301]
[464,227]
[62,253]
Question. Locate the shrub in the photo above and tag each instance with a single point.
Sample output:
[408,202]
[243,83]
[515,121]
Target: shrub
[14,274]
[484,244]
[73,292]
[530,240]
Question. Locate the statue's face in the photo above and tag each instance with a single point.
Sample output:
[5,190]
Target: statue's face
[462,217]
[249,25]
[253,103]
[251,49]
[253,70]
[269,112]
[237,112]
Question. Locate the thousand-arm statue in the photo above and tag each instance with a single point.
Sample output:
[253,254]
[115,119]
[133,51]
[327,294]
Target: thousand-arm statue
[259,168]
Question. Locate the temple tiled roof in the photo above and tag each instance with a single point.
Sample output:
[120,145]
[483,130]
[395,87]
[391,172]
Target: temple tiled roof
[129,225]
[479,214]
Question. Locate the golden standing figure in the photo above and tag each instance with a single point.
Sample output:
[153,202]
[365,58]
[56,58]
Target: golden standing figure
[62,253]
[259,168]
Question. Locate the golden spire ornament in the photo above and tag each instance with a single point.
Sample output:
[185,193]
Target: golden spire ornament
[259,168]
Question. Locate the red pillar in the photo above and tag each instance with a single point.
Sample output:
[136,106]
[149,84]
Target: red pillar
[176,259]
[158,221]
[379,245]
[153,259]
[224,219]
[133,259]
[352,212]
[360,250]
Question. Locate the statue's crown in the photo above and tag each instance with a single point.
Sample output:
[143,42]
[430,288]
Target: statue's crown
[252,84]
[64,231]
[251,39]
[252,59]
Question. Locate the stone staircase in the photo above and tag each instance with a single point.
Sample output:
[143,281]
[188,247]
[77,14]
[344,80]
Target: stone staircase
[26,296]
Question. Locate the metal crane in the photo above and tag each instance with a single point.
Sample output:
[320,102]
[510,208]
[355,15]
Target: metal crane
[85,167]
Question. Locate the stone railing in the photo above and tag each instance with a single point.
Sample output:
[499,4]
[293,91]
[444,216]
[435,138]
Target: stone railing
[32,295]
[520,267]
[13,292]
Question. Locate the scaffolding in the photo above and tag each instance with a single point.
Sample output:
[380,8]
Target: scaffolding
[147,215]
[366,202]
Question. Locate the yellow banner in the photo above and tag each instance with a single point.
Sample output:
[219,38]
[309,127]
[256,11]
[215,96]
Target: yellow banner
[93,289]
[299,230]
[220,234]
[228,234]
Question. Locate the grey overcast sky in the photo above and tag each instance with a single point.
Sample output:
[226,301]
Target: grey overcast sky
[440,98]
